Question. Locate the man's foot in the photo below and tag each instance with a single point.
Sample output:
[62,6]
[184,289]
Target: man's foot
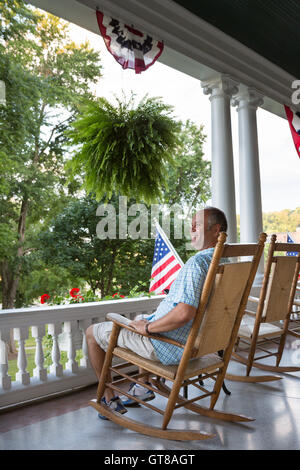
[140,392]
[114,404]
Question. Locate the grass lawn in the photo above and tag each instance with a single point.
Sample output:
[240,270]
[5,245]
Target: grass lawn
[13,368]
[30,353]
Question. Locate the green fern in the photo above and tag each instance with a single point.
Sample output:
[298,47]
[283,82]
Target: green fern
[124,150]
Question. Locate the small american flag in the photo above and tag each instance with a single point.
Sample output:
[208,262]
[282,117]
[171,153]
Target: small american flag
[290,240]
[166,263]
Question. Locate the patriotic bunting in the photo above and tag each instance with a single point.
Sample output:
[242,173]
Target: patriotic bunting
[294,122]
[131,48]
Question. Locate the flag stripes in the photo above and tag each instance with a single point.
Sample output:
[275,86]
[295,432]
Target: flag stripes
[166,263]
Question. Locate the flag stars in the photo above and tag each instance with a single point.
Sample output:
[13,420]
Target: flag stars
[161,249]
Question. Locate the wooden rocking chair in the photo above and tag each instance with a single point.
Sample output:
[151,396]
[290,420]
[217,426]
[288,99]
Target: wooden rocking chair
[215,326]
[294,323]
[272,316]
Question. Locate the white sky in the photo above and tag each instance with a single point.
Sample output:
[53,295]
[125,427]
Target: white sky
[279,162]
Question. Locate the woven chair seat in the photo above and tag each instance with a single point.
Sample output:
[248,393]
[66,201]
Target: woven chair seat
[195,366]
[265,329]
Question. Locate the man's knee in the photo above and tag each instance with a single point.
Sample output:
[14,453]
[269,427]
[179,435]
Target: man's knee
[89,334]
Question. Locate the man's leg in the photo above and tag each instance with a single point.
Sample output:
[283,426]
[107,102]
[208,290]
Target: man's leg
[145,378]
[97,357]
[97,341]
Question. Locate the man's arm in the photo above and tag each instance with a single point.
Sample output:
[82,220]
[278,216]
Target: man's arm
[178,316]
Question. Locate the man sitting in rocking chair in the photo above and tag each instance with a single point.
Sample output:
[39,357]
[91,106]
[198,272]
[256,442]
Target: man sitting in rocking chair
[173,317]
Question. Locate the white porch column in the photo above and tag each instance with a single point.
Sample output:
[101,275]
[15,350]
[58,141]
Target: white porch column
[247,101]
[221,88]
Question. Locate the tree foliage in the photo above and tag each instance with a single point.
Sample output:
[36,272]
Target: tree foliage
[48,236]
[189,178]
[106,265]
[281,221]
[46,77]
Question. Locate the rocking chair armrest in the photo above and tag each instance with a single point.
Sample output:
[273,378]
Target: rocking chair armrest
[118,318]
[125,323]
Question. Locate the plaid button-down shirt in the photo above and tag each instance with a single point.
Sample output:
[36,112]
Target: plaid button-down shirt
[186,288]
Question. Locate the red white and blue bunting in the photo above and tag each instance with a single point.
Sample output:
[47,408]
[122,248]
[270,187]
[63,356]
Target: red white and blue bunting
[131,48]
[294,122]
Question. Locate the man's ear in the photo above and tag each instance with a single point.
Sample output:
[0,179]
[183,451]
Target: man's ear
[217,229]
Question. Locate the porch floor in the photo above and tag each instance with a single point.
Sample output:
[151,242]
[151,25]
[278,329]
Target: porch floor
[68,423]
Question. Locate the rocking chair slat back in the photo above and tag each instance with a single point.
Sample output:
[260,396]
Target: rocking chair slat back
[279,288]
[222,309]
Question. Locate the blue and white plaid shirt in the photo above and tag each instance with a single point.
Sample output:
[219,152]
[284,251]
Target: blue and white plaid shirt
[187,289]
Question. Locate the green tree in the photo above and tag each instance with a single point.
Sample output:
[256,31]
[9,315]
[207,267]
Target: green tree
[39,277]
[46,78]
[281,221]
[16,20]
[106,265]
[189,179]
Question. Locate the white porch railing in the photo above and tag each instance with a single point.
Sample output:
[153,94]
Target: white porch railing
[71,319]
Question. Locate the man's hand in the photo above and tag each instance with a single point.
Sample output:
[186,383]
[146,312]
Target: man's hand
[177,317]
[139,325]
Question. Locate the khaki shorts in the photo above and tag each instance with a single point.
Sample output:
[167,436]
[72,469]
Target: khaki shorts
[139,344]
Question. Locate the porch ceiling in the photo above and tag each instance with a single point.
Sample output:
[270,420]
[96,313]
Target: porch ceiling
[268,27]
[210,43]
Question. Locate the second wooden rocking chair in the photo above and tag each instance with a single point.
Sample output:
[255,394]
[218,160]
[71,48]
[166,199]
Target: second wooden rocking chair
[270,322]
[215,326]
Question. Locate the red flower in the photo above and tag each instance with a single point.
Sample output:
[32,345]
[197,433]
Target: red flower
[118,295]
[44,298]
[74,292]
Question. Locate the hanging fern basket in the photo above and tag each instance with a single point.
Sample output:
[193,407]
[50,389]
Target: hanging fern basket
[123,149]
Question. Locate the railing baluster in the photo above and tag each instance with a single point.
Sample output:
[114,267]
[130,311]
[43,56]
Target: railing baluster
[76,319]
[21,334]
[54,329]
[38,332]
[83,325]
[5,379]
[70,327]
